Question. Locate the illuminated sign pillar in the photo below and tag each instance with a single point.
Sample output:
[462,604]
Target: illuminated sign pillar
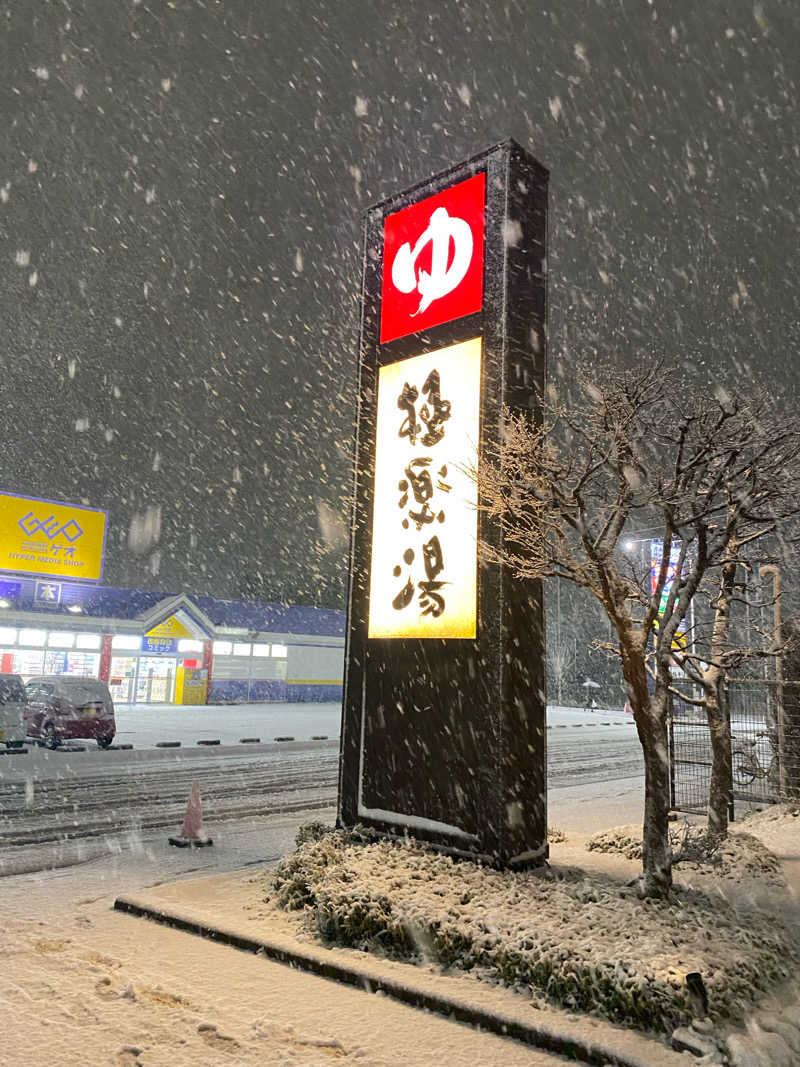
[443,721]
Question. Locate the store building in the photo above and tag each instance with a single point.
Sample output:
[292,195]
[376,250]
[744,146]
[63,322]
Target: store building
[150,647]
[153,647]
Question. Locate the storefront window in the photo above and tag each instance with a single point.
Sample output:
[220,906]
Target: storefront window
[155,679]
[241,649]
[222,648]
[28,663]
[55,662]
[279,650]
[8,635]
[122,679]
[87,664]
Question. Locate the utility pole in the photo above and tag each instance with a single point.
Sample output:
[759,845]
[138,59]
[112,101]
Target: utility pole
[559,646]
[774,571]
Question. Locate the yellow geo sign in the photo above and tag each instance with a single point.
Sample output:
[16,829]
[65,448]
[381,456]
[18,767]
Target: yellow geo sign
[51,539]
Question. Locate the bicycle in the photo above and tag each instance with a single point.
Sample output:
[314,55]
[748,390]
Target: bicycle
[746,764]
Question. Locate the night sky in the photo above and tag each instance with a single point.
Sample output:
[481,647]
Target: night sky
[181,190]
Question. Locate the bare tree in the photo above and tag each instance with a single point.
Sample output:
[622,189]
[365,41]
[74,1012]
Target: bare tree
[561,659]
[635,450]
[712,656]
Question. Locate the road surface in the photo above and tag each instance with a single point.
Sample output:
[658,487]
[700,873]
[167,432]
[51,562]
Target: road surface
[56,803]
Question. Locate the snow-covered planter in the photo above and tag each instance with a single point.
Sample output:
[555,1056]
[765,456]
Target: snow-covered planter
[737,856]
[582,942]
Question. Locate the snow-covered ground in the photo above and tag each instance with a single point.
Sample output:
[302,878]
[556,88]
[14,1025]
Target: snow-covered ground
[558,716]
[145,724]
[83,985]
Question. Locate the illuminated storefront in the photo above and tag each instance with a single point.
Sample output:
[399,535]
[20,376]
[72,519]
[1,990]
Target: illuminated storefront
[30,651]
[156,648]
[149,647]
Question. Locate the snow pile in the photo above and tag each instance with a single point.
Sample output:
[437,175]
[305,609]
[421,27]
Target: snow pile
[625,840]
[737,856]
[583,942]
[775,814]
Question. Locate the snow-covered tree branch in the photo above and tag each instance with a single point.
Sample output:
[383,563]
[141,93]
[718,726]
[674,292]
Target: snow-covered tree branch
[709,476]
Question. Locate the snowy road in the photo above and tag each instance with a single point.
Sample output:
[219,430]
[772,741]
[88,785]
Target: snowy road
[55,800]
[55,796]
[590,747]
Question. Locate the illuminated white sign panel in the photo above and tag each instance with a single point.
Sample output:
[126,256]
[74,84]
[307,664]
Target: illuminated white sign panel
[424,570]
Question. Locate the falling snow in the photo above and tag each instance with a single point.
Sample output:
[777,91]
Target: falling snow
[181,220]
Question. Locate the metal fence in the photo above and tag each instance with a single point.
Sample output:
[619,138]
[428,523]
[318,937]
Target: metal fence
[765,745]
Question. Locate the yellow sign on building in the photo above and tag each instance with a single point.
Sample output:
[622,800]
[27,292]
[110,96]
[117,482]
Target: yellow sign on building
[172,627]
[52,539]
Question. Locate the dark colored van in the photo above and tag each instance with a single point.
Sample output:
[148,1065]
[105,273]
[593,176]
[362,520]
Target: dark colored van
[65,707]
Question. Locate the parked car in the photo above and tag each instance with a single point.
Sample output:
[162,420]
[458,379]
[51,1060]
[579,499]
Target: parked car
[62,707]
[12,710]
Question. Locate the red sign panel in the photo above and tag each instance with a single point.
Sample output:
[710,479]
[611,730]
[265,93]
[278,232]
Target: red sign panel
[433,260]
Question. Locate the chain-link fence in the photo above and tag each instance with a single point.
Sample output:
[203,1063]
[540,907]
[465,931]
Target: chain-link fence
[765,745]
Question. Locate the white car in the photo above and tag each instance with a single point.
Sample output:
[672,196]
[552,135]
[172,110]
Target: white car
[12,710]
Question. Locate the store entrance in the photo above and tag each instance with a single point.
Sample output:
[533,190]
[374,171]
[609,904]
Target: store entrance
[122,679]
[155,680]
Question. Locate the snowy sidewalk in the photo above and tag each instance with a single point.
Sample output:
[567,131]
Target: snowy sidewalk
[229,909]
[89,986]
[235,909]
[82,984]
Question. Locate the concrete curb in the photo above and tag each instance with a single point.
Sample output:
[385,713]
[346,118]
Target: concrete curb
[580,725]
[538,1036]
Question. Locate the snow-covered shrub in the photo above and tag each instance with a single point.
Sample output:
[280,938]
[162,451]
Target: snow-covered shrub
[582,941]
[311,831]
[736,856]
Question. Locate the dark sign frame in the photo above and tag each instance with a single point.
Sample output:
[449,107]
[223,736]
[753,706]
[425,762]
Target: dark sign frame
[446,739]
